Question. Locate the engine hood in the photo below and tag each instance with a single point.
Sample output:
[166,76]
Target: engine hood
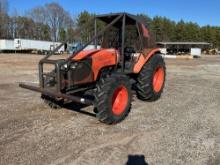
[86,53]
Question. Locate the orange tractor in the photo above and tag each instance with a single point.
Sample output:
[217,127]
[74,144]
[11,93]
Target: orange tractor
[127,60]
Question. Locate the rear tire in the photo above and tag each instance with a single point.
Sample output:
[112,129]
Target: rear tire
[148,88]
[113,98]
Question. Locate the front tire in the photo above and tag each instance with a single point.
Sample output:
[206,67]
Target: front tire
[151,79]
[113,98]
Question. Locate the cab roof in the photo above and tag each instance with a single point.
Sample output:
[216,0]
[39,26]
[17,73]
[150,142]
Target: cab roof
[130,18]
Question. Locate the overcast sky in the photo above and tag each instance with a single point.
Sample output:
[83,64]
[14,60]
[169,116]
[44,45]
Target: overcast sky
[201,11]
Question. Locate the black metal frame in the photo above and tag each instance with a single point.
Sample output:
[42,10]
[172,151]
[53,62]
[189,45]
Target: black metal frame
[60,63]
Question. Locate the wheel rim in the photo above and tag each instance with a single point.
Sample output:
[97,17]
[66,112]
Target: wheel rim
[158,79]
[119,100]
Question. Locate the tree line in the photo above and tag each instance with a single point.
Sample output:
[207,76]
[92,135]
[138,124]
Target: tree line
[52,22]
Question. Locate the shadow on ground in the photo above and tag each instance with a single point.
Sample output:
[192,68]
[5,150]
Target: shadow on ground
[79,108]
[136,160]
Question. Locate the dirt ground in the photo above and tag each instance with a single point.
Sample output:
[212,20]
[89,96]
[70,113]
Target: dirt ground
[183,127]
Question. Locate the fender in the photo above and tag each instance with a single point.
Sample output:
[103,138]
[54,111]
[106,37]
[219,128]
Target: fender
[144,58]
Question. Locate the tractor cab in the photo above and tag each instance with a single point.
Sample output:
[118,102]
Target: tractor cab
[123,33]
[129,36]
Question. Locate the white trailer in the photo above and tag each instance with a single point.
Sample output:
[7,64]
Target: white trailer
[37,45]
[7,45]
[90,47]
[196,52]
[163,50]
[74,47]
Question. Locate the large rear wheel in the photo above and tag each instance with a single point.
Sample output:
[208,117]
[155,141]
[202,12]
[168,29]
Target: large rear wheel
[151,79]
[113,98]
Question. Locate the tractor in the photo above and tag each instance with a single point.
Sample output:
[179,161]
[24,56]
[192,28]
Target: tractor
[126,62]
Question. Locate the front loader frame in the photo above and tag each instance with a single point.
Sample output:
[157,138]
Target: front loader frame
[57,65]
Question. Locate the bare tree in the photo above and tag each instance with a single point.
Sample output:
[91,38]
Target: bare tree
[58,18]
[3,18]
[38,14]
[3,6]
[55,17]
